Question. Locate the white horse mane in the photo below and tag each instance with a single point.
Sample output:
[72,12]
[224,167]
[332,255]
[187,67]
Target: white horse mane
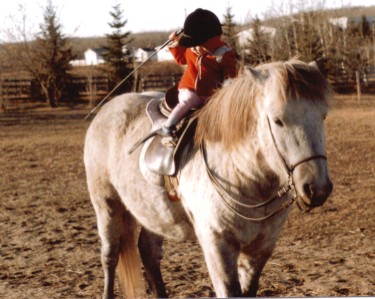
[230,113]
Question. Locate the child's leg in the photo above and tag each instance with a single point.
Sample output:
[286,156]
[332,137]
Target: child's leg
[187,100]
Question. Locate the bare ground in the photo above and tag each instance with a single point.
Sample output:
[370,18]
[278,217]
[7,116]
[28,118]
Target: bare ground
[49,246]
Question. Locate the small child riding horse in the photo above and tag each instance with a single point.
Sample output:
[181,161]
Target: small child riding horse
[209,62]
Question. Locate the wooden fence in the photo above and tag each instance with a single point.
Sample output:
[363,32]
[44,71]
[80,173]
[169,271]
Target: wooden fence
[91,88]
[15,88]
[366,82]
[158,83]
[87,88]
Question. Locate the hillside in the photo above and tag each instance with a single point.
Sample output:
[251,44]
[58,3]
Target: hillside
[353,11]
[155,38]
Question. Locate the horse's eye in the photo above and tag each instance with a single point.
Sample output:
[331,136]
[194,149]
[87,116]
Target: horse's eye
[279,122]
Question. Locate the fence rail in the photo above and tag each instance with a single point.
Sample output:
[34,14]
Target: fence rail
[15,88]
[345,84]
[158,82]
[90,88]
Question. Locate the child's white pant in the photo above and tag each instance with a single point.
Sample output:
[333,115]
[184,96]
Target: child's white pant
[187,99]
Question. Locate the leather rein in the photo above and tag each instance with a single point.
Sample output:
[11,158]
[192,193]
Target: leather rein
[231,202]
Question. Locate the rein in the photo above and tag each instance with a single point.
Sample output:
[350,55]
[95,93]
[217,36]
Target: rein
[230,201]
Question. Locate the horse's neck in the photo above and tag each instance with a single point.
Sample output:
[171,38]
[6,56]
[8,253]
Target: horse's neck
[241,170]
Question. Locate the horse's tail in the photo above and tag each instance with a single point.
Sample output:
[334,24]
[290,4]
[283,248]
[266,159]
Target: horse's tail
[129,264]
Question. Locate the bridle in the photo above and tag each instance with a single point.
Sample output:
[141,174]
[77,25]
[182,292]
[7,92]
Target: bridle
[231,202]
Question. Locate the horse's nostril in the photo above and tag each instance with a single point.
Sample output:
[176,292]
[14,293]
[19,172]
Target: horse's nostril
[315,196]
[329,188]
[308,191]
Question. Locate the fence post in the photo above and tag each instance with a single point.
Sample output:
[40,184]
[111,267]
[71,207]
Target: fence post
[358,81]
[142,84]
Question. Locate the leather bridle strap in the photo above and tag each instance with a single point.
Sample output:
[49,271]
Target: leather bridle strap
[290,169]
[307,160]
[230,201]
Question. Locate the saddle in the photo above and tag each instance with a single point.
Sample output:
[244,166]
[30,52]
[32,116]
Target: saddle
[161,158]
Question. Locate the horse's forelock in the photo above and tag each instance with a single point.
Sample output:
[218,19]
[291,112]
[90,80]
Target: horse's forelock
[297,80]
[231,113]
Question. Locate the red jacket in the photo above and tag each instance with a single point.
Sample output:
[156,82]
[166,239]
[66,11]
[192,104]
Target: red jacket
[204,74]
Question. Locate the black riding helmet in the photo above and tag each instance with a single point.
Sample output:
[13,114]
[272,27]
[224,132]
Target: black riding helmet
[199,26]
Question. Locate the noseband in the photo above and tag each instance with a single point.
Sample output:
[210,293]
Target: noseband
[231,202]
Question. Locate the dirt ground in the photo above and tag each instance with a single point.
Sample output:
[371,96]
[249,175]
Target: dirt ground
[49,246]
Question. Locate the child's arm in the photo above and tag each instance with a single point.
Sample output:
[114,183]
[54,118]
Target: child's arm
[177,51]
[179,54]
[229,64]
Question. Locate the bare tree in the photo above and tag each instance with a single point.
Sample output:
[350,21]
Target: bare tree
[46,55]
[51,56]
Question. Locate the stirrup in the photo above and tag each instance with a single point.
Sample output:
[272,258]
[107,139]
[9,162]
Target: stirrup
[169,141]
[168,134]
[169,138]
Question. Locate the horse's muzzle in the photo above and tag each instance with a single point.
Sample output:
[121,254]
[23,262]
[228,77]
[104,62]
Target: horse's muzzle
[314,196]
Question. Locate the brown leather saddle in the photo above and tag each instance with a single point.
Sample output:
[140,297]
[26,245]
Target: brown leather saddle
[161,158]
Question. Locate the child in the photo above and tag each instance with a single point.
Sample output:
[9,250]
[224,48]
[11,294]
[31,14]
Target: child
[209,62]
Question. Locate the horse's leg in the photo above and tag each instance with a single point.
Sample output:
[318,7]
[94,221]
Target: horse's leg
[221,256]
[109,214]
[249,270]
[151,251]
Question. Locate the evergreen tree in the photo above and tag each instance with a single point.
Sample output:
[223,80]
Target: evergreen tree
[119,60]
[334,61]
[229,33]
[365,28]
[49,59]
[258,48]
[354,50]
[310,44]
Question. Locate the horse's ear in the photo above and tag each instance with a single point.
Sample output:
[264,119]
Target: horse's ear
[251,71]
[314,65]
[256,74]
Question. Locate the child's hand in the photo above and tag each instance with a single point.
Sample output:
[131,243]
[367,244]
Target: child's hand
[173,36]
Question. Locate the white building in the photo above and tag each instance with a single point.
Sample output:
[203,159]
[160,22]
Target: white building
[246,35]
[164,54]
[94,56]
[142,54]
[343,22]
[339,22]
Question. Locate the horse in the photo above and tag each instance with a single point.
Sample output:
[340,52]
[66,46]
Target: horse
[258,148]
